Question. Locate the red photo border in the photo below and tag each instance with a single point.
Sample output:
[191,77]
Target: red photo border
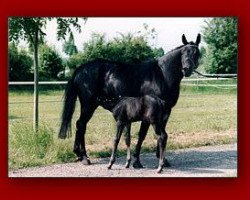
[180,188]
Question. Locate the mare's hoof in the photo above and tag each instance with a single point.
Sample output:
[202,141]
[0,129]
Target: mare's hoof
[137,165]
[85,161]
[78,160]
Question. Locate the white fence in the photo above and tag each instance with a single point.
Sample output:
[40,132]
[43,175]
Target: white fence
[184,82]
[200,82]
[65,82]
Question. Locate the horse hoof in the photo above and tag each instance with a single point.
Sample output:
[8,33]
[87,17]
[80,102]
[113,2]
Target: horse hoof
[86,161]
[159,170]
[78,159]
[109,167]
[127,165]
[137,165]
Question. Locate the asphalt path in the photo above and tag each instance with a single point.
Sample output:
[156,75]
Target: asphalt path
[209,161]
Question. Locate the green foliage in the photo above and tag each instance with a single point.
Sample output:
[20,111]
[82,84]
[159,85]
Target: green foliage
[76,60]
[24,28]
[31,30]
[65,24]
[50,63]
[20,64]
[130,48]
[29,149]
[69,46]
[220,34]
[126,48]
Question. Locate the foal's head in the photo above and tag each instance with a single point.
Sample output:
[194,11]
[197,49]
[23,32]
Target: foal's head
[190,55]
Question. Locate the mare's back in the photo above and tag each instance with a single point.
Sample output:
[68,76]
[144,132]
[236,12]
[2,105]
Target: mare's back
[128,79]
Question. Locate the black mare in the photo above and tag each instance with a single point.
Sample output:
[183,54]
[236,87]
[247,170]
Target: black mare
[150,109]
[101,82]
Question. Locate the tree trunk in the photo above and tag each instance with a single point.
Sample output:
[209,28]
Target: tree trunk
[36,78]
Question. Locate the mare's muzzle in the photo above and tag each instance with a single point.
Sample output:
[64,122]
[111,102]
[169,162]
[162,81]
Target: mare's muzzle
[188,67]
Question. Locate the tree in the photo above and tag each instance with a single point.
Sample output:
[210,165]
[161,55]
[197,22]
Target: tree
[76,60]
[20,64]
[69,46]
[220,34]
[50,63]
[124,48]
[30,29]
[130,48]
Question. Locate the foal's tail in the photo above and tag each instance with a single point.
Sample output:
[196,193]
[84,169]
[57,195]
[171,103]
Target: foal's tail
[68,108]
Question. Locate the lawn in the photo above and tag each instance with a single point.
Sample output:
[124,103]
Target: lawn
[202,116]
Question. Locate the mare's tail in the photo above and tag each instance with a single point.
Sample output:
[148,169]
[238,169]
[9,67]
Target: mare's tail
[68,109]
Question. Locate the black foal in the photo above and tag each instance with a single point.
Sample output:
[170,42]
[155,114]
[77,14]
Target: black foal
[150,109]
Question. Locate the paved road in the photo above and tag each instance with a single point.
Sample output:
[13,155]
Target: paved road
[210,161]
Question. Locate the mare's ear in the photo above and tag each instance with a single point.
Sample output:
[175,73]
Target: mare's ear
[184,40]
[198,39]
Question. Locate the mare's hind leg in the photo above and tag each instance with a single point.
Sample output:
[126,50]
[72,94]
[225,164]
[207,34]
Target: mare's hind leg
[128,141]
[142,134]
[79,146]
[120,128]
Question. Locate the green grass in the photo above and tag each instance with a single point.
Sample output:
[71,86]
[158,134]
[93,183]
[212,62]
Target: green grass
[201,117]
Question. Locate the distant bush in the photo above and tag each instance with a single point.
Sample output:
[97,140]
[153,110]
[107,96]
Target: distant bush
[51,63]
[126,48]
[20,64]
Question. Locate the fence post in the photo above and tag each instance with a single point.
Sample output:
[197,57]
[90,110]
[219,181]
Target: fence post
[36,78]
[35,108]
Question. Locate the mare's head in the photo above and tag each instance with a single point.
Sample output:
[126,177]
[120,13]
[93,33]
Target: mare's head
[190,55]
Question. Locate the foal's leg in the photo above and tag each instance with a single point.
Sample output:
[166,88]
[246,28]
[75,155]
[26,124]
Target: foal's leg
[79,146]
[142,134]
[166,163]
[162,141]
[120,128]
[128,141]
